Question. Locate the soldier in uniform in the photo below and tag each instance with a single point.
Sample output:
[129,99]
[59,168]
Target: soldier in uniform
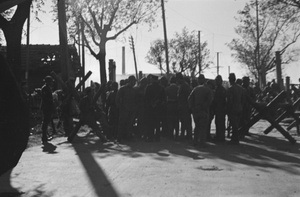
[247,108]
[199,102]
[47,106]
[172,108]
[140,110]
[154,100]
[163,121]
[112,111]
[219,109]
[235,102]
[126,103]
[183,107]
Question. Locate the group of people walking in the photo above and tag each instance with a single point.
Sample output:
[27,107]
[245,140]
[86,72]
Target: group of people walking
[155,108]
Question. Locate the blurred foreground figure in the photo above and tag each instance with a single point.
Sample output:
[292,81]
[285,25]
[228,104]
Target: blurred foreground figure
[14,119]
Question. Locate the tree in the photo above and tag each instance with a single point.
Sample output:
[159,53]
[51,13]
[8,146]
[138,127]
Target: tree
[11,23]
[12,27]
[183,52]
[156,54]
[278,30]
[107,19]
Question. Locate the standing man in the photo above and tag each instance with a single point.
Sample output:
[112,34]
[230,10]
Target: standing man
[47,106]
[126,103]
[247,108]
[219,109]
[199,102]
[154,100]
[235,104]
[172,108]
[183,107]
[140,109]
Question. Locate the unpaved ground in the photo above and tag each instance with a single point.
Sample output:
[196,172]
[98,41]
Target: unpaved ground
[262,165]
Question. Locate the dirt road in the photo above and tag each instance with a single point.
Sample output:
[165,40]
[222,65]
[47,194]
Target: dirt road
[262,165]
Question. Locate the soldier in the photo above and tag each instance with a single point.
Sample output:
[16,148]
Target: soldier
[199,102]
[164,125]
[235,104]
[210,84]
[247,108]
[88,115]
[112,111]
[47,106]
[172,108]
[126,103]
[154,101]
[219,109]
[140,110]
[183,107]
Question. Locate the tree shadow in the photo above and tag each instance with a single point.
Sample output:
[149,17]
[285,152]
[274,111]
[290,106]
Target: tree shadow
[100,182]
[257,151]
[260,151]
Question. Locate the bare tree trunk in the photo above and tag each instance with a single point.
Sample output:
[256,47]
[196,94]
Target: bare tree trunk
[102,62]
[13,34]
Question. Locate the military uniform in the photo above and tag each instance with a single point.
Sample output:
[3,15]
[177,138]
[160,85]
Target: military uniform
[172,110]
[199,102]
[154,100]
[235,104]
[47,107]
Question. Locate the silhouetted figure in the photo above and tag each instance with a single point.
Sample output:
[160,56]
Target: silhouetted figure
[14,119]
[199,102]
[235,104]
[247,108]
[172,108]
[257,91]
[183,107]
[140,109]
[126,103]
[210,84]
[154,101]
[112,110]
[47,107]
[164,124]
[219,109]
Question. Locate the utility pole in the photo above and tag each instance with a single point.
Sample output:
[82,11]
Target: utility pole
[82,52]
[165,35]
[133,50]
[262,68]
[27,49]
[218,63]
[199,45]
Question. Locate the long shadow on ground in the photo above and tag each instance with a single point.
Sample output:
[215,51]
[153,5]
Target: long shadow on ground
[257,151]
[100,182]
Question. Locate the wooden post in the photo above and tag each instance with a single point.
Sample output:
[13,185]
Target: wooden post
[278,69]
[82,53]
[133,50]
[165,36]
[199,46]
[287,84]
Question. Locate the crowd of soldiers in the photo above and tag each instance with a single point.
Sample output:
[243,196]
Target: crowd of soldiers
[157,107]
